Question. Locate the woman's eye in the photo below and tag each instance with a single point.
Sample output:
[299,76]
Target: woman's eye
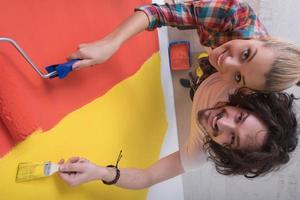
[245,54]
[237,77]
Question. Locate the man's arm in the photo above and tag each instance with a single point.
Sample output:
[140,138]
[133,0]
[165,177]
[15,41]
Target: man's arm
[78,171]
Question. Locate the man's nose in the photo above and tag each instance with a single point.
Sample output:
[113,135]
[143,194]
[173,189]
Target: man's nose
[226,125]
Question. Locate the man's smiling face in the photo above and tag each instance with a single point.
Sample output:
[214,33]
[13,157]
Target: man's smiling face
[233,127]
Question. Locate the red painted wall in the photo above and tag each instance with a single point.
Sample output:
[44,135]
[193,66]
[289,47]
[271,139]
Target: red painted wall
[49,31]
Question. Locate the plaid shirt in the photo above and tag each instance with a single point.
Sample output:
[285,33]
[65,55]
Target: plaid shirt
[216,21]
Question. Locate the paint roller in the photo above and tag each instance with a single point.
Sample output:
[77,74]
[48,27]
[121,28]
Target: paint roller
[16,102]
[57,70]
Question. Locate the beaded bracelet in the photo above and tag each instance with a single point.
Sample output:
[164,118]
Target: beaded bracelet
[115,180]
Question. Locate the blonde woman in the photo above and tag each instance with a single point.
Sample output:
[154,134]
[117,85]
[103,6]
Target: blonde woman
[242,50]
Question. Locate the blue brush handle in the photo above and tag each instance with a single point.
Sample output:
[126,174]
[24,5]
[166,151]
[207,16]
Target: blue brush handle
[62,70]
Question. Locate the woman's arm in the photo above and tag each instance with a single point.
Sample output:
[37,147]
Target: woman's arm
[146,17]
[217,23]
[101,50]
[78,171]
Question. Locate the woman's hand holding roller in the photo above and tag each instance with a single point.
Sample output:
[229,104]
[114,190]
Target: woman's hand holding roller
[95,53]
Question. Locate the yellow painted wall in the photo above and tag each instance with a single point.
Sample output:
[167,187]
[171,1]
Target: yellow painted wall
[131,117]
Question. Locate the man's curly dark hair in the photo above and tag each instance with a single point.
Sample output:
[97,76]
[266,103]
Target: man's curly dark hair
[276,111]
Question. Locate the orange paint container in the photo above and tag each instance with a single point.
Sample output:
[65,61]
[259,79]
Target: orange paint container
[179,55]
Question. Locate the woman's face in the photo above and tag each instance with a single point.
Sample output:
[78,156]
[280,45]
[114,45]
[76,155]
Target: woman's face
[244,62]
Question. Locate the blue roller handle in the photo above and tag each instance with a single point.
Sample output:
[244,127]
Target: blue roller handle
[62,70]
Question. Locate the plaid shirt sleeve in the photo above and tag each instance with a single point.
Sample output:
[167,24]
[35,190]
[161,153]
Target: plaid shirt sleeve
[175,15]
[217,21]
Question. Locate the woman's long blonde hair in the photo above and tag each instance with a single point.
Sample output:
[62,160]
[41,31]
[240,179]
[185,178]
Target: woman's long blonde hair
[285,71]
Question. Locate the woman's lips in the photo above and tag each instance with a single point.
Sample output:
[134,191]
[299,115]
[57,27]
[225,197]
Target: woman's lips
[220,60]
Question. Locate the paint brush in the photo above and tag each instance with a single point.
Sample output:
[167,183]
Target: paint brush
[33,170]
